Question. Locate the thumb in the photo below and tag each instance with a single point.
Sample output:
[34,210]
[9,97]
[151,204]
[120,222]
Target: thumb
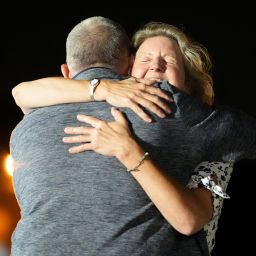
[118,115]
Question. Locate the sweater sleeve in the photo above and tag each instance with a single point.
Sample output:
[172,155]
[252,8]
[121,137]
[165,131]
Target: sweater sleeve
[240,129]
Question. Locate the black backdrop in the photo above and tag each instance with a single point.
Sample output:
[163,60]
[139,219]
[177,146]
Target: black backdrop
[33,46]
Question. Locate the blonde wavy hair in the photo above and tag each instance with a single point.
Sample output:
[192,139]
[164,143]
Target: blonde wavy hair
[197,63]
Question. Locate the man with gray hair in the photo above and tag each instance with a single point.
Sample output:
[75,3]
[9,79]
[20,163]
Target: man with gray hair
[98,42]
[75,204]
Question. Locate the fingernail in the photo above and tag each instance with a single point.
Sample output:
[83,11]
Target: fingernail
[71,150]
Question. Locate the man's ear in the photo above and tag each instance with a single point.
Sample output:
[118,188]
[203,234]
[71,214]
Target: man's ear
[65,71]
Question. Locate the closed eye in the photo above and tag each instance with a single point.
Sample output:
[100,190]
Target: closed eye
[170,61]
[145,60]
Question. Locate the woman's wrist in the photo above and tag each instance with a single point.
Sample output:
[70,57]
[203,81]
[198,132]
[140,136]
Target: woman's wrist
[101,91]
[131,154]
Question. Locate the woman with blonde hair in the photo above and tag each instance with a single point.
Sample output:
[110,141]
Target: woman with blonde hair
[165,58]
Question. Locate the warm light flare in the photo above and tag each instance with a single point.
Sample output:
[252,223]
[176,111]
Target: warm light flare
[9,165]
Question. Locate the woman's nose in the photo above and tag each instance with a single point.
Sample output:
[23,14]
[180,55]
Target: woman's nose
[157,65]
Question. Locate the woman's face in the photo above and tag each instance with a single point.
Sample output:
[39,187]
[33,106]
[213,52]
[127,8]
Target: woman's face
[159,58]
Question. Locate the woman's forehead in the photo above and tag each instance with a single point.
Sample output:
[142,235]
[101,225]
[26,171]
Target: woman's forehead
[159,44]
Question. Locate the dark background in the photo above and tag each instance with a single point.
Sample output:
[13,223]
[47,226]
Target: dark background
[33,46]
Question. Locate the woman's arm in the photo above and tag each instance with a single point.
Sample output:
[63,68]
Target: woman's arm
[187,210]
[132,93]
[49,91]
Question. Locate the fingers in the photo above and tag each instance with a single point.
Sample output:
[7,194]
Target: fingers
[93,121]
[78,130]
[118,116]
[151,97]
[150,102]
[84,138]
[76,139]
[147,86]
[144,81]
[137,109]
[80,148]
[154,104]
[84,134]
[158,92]
[159,107]
[140,112]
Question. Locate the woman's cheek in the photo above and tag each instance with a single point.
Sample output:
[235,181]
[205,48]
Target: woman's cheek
[136,72]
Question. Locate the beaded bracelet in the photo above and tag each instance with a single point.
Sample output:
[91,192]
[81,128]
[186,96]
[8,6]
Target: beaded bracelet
[135,169]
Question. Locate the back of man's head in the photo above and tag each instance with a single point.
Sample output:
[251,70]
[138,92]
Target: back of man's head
[97,42]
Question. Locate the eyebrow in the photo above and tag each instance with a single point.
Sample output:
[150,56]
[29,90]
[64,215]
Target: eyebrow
[166,56]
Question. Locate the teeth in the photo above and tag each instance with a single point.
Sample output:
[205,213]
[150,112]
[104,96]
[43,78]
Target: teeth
[155,79]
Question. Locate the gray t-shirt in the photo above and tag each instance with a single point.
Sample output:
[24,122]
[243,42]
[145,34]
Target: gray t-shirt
[87,203]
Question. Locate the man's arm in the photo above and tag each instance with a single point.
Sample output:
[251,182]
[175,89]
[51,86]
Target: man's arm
[131,93]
